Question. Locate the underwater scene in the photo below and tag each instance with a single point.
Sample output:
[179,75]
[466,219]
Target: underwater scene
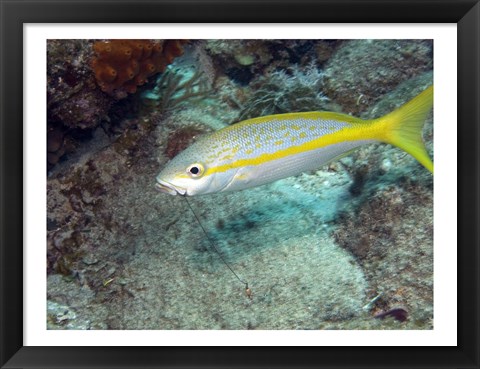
[240,184]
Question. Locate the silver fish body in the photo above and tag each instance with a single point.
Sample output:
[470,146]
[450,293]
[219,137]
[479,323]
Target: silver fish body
[265,149]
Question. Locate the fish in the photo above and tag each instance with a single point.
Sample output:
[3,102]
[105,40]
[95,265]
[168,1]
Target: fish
[261,150]
[399,314]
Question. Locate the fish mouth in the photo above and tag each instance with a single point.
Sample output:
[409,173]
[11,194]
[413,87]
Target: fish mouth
[166,187]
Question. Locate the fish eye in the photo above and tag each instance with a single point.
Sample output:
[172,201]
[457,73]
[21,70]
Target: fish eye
[195,170]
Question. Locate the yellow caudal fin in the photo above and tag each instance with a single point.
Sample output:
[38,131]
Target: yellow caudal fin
[403,127]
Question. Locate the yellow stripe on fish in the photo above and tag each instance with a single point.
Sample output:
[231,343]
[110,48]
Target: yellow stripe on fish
[265,149]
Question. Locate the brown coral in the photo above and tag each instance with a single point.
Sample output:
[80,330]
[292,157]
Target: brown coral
[122,65]
[180,139]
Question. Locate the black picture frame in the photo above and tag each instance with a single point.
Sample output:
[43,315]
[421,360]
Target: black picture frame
[466,13]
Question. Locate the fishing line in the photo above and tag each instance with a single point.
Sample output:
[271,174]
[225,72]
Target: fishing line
[247,290]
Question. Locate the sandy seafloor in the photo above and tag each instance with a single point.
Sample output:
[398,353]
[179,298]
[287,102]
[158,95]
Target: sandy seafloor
[314,249]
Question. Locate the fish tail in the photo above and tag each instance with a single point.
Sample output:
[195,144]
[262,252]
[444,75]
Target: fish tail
[403,127]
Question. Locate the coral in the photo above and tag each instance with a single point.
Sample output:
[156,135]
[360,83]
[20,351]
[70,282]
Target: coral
[67,64]
[122,65]
[131,142]
[196,57]
[240,60]
[84,109]
[244,60]
[58,144]
[261,53]
[180,139]
[324,49]
[73,99]
[74,102]
[174,88]
[391,235]
[282,92]
[64,252]
[76,106]
[241,52]
[361,71]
